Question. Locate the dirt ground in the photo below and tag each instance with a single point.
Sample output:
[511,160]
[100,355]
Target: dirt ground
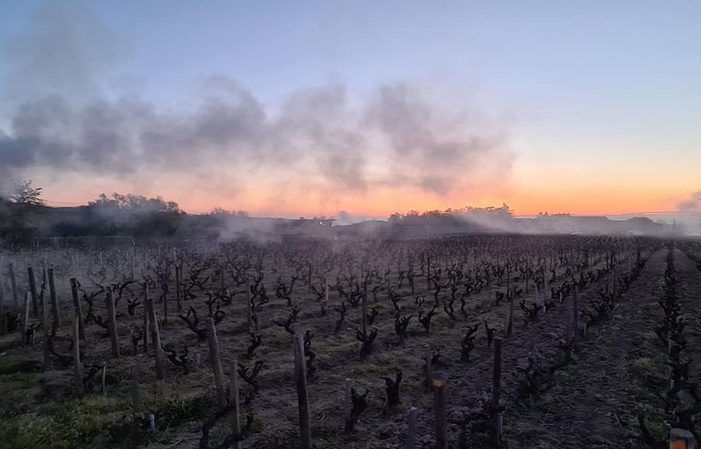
[591,403]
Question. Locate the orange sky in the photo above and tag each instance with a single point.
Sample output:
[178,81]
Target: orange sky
[524,196]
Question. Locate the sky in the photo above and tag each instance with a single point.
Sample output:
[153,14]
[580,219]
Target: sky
[314,107]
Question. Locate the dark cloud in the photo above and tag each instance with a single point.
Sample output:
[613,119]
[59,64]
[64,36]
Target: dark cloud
[433,150]
[60,119]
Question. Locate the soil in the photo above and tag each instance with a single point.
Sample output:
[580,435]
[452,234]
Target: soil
[592,402]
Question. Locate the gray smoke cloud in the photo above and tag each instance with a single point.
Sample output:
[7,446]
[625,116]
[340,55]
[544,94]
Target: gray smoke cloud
[693,203]
[59,117]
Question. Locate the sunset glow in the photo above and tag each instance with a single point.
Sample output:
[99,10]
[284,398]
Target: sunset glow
[283,115]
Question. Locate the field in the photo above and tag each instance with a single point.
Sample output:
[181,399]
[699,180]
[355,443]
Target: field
[597,338]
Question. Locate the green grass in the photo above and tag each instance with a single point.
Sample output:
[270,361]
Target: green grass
[95,421]
[9,366]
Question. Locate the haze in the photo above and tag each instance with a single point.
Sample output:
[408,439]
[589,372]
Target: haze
[309,108]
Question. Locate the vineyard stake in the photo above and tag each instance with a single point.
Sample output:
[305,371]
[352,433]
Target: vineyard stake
[411,432]
[440,398]
[249,311]
[178,280]
[77,308]
[103,377]
[13,285]
[146,318]
[54,299]
[429,368]
[348,404]
[45,332]
[365,308]
[215,360]
[155,339]
[114,338]
[235,401]
[575,315]
[301,383]
[135,398]
[76,355]
[2,294]
[496,392]
[33,290]
[25,324]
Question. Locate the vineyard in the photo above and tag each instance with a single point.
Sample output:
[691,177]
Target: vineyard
[474,341]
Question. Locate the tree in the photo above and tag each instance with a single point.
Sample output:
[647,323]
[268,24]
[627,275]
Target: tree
[24,193]
[221,212]
[137,215]
[18,211]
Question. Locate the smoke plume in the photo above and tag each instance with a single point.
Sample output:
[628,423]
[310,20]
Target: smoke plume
[693,203]
[61,117]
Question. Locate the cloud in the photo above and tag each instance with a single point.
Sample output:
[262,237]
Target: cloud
[693,203]
[61,119]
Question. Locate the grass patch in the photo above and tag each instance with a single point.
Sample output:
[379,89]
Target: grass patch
[8,366]
[652,338]
[100,421]
[646,369]
[67,424]
[174,411]
[654,423]
[13,386]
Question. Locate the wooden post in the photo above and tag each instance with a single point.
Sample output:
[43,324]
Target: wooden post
[2,294]
[681,439]
[215,360]
[411,432]
[301,383]
[146,319]
[77,308]
[428,273]
[496,392]
[33,291]
[249,308]
[545,283]
[614,290]
[234,400]
[76,354]
[429,367]
[165,305]
[178,294]
[528,272]
[575,316]
[156,340]
[13,285]
[508,279]
[348,405]
[440,398]
[25,322]
[45,332]
[103,378]
[309,281]
[135,396]
[114,338]
[509,330]
[135,399]
[365,308]
[325,301]
[570,322]
[54,299]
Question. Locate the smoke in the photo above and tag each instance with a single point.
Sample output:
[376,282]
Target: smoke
[693,203]
[65,49]
[61,118]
